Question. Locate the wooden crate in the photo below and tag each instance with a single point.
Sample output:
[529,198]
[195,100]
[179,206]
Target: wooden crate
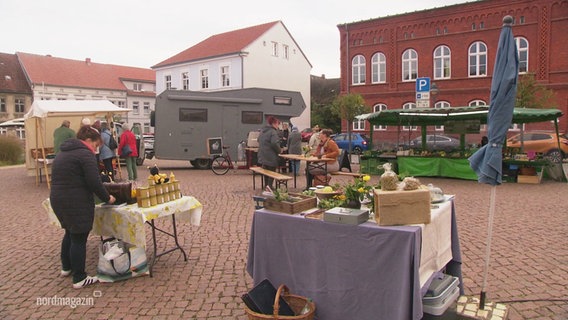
[306,203]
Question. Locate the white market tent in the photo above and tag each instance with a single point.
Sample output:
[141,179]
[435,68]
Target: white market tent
[47,115]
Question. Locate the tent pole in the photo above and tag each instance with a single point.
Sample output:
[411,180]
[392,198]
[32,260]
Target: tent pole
[488,247]
[36,154]
[44,159]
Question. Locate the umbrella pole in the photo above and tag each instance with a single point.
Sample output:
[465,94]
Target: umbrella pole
[488,247]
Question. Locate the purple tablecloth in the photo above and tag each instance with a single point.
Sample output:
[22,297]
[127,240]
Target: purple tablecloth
[351,272]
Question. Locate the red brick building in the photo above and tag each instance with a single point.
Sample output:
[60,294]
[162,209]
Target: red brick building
[455,46]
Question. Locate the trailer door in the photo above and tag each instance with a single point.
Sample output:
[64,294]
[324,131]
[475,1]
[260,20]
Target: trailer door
[231,128]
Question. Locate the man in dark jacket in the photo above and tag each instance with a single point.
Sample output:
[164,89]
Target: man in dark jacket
[269,148]
[74,178]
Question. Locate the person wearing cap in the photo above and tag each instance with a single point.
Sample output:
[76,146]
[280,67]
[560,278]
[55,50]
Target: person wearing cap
[85,122]
[61,134]
[295,147]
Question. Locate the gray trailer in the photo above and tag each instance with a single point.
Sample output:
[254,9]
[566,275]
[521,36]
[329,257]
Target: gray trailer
[185,120]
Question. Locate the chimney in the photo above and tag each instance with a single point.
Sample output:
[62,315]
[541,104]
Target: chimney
[88,61]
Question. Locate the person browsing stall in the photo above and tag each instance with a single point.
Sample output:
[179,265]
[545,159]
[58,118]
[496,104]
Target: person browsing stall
[295,147]
[106,154]
[74,179]
[269,148]
[61,134]
[128,138]
[326,149]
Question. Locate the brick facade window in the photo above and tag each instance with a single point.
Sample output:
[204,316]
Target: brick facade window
[409,65]
[478,59]
[379,68]
[442,62]
[358,69]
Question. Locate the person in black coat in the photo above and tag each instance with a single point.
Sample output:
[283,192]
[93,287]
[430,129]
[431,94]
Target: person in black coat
[74,178]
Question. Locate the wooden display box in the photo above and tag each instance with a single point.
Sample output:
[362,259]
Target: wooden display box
[306,203]
[402,207]
[528,179]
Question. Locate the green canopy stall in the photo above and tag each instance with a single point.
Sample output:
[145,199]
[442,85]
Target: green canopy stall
[423,117]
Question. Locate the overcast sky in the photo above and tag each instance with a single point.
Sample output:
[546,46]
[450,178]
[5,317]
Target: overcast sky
[142,33]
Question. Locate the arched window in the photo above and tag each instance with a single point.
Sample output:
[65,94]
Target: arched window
[409,105]
[358,69]
[442,62]
[478,59]
[475,103]
[378,68]
[377,108]
[523,50]
[409,65]
[438,105]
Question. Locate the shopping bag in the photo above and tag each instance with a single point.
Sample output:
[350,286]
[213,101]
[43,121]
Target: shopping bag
[119,260]
[125,151]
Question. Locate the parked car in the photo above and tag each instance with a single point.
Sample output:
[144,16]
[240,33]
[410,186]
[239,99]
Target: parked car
[306,134]
[542,142]
[359,142]
[437,142]
[149,145]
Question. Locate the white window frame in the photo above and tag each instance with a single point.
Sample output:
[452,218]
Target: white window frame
[409,105]
[358,70]
[286,52]
[225,72]
[523,52]
[376,108]
[442,62]
[439,105]
[137,86]
[3,104]
[378,68]
[204,77]
[168,81]
[19,105]
[477,60]
[409,65]
[185,80]
[146,106]
[274,49]
[359,125]
[135,107]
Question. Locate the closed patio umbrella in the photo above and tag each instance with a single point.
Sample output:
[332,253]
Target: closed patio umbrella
[487,161]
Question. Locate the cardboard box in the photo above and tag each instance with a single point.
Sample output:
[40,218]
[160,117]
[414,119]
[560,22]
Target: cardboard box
[346,215]
[528,179]
[402,207]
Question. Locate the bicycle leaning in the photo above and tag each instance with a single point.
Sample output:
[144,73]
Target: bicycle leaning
[221,164]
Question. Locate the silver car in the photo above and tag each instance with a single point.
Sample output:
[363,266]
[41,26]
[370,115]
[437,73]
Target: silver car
[436,142]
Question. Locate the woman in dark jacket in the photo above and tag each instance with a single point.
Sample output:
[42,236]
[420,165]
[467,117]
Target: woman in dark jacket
[74,178]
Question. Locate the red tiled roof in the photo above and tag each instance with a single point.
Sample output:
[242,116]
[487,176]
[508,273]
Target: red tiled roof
[12,78]
[76,73]
[220,44]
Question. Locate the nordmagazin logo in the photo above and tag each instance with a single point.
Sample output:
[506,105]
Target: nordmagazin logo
[72,302]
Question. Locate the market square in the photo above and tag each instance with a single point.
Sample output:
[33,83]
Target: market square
[527,267]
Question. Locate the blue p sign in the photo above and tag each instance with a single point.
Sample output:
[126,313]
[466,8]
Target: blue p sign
[423,85]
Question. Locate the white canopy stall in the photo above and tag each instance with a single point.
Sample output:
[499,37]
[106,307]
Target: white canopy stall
[47,115]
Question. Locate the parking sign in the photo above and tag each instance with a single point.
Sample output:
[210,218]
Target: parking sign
[423,84]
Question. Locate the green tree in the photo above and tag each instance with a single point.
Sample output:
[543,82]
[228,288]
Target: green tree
[348,106]
[531,94]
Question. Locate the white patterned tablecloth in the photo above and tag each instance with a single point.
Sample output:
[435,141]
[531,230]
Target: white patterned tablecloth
[128,222]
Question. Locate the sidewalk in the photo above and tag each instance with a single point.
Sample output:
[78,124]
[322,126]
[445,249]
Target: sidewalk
[529,259]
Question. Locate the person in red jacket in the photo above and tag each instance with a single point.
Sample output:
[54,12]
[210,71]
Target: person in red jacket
[127,138]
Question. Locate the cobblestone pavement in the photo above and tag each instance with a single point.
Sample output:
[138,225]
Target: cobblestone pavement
[529,259]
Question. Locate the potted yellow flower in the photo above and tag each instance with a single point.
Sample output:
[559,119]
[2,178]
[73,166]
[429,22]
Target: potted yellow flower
[356,192]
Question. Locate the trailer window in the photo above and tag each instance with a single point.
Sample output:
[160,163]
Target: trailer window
[283,101]
[193,115]
[251,117]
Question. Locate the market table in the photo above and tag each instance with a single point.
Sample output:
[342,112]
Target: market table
[127,222]
[436,167]
[354,272]
[312,162]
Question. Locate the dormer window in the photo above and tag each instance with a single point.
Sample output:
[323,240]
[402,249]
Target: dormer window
[137,87]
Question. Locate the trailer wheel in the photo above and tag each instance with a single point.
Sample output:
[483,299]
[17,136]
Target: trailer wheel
[201,163]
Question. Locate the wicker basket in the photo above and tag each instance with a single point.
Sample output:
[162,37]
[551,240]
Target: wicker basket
[297,303]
